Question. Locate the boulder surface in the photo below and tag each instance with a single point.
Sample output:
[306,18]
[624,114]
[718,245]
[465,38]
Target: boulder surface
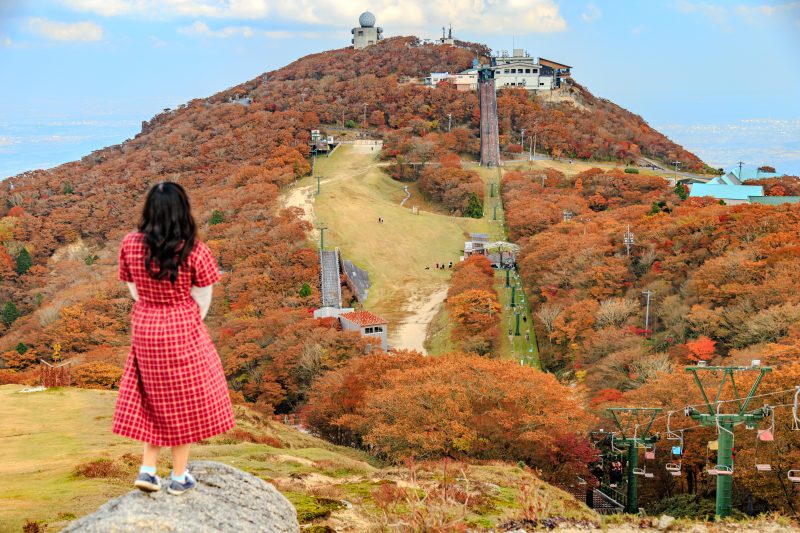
[225,500]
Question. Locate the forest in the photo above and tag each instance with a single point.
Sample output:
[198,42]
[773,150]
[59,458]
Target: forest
[717,275]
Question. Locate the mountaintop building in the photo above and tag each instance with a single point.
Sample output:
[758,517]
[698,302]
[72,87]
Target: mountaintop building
[366,33]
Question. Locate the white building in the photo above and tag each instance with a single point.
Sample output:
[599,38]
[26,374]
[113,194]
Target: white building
[368,324]
[520,69]
[366,33]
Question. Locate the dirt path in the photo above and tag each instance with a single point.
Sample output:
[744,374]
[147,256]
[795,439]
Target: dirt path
[411,331]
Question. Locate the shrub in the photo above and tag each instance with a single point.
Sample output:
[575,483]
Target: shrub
[97,375]
[99,468]
[217,217]
[630,170]
[24,261]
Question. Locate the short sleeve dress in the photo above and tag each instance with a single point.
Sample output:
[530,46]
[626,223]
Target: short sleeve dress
[173,389]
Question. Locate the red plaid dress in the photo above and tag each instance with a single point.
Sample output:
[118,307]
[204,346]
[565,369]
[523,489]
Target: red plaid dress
[173,390]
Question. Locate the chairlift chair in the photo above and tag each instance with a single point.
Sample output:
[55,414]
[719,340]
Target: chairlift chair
[794,476]
[639,472]
[765,435]
[721,470]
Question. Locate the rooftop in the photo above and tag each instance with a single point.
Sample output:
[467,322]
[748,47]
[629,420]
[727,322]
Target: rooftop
[726,192]
[364,318]
[775,200]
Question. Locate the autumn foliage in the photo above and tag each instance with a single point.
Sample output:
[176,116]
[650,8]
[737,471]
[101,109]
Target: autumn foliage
[452,406]
[473,306]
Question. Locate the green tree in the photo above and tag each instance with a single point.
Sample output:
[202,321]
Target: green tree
[67,188]
[21,348]
[24,261]
[305,290]
[10,313]
[474,207]
[350,124]
[681,191]
[216,218]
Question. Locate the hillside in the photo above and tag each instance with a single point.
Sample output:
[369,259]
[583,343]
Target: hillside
[62,462]
[717,276]
[61,226]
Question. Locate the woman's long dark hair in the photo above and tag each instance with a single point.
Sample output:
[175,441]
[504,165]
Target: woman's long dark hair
[169,230]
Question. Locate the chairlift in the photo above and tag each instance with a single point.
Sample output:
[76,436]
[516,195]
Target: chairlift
[795,409]
[639,472]
[765,435]
[794,476]
[721,470]
[674,467]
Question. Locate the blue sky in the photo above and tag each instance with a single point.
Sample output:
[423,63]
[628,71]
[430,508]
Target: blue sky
[721,78]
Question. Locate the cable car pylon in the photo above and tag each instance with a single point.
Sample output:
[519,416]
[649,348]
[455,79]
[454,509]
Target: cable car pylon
[634,434]
[725,422]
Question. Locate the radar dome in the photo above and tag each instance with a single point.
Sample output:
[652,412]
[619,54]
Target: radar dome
[367,19]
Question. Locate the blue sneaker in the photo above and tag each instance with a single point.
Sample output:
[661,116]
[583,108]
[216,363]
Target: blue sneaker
[177,488]
[147,483]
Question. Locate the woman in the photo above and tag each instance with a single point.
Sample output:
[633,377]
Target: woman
[173,390]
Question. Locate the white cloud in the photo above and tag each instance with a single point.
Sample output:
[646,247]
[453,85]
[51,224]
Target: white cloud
[64,31]
[768,10]
[279,34]
[7,41]
[592,13]
[240,9]
[202,29]
[638,30]
[718,14]
[496,16]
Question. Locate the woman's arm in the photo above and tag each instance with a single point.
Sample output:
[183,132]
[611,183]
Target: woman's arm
[132,290]
[202,295]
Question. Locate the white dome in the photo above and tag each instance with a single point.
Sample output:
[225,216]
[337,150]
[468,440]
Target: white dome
[367,19]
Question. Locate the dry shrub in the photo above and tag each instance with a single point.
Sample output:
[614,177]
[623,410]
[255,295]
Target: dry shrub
[97,375]
[100,468]
[26,377]
[32,526]
[242,435]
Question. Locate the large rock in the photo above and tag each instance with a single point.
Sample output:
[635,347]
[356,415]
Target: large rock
[225,500]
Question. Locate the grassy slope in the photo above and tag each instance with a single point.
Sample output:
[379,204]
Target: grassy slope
[45,435]
[355,192]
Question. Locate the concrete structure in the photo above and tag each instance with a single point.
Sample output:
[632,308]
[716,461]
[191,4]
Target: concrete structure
[330,281]
[730,194]
[446,38]
[490,131]
[368,324]
[331,312]
[366,33]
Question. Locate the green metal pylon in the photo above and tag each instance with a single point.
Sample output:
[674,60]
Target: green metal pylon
[516,332]
[508,278]
[725,422]
[318,183]
[495,212]
[634,434]
[513,296]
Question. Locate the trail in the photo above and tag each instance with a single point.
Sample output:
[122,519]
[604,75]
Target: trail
[411,332]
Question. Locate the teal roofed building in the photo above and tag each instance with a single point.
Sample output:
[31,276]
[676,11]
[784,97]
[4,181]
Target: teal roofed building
[730,194]
[775,200]
[752,174]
